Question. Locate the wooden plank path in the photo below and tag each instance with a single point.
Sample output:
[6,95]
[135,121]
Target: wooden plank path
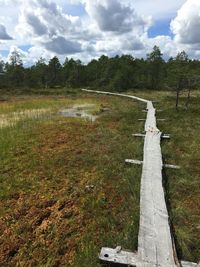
[154,240]
[155,245]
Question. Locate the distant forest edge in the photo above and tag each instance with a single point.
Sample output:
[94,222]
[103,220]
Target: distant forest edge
[118,73]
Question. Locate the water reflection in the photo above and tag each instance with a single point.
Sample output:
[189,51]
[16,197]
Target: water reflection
[80,111]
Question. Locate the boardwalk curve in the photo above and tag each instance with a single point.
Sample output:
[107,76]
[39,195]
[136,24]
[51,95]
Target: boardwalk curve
[155,245]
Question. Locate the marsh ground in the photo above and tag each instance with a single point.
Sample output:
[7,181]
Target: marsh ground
[65,190]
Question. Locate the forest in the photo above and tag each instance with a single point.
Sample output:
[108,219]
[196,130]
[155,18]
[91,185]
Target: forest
[118,73]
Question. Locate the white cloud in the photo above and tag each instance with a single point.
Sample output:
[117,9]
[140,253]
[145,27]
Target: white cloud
[158,9]
[113,16]
[37,25]
[186,25]
[154,8]
[62,46]
[44,23]
[107,27]
[110,27]
[3,33]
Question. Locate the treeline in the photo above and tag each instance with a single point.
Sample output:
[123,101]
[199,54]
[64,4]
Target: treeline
[119,73]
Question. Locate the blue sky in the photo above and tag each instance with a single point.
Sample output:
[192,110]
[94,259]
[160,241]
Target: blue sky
[160,27]
[75,9]
[4,53]
[87,29]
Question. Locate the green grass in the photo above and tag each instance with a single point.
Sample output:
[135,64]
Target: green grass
[49,216]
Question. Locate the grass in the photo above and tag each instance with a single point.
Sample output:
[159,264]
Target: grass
[65,190]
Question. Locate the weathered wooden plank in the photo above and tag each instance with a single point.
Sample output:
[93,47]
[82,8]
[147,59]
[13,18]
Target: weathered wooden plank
[170,166]
[134,161]
[150,124]
[118,256]
[154,240]
[139,162]
[189,264]
[163,136]
[138,135]
[114,94]
[157,110]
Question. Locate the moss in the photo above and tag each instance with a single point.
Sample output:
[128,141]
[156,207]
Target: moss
[66,192]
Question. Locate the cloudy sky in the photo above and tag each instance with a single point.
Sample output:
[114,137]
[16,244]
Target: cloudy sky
[87,29]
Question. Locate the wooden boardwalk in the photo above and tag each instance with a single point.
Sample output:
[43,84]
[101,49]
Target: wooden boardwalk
[155,246]
[154,239]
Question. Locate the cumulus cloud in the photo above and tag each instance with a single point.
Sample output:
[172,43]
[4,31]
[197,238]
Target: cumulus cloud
[3,33]
[132,45]
[113,16]
[112,45]
[46,25]
[186,25]
[107,27]
[38,26]
[156,8]
[46,16]
[62,46]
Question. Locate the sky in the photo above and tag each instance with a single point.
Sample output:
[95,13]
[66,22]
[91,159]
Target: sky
[87,29]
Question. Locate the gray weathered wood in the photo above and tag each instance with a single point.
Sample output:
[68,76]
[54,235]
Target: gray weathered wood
[138,135]
[118,256]
[164,136]
[157,110]
[171,166]
[114,94]
[139,162]
[189,264]
[154,240]
[134,161]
